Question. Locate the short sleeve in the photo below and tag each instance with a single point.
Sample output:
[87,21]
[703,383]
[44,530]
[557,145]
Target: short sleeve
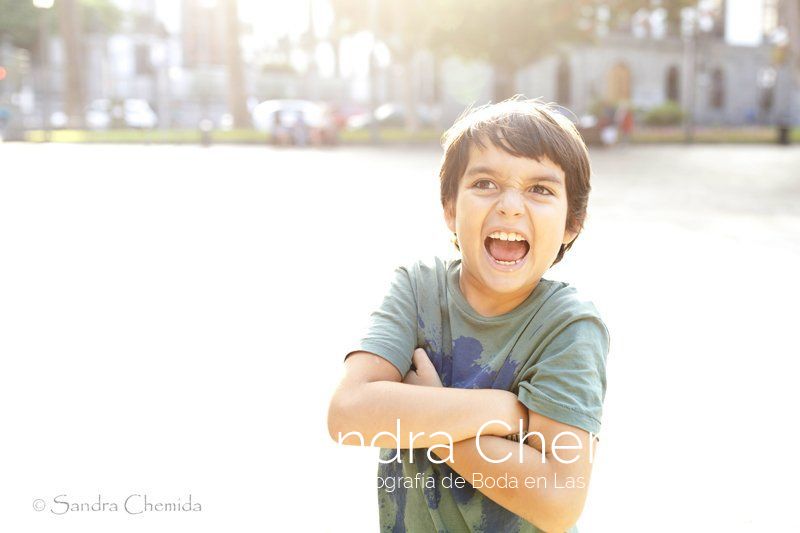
[568,382]
[392,329]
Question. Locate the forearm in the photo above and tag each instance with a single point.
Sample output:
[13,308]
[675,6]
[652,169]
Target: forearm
[433,415]
[550,495]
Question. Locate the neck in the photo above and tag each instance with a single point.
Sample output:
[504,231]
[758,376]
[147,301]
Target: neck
[488,303]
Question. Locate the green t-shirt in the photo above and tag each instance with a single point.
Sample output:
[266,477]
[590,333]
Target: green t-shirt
[550,351]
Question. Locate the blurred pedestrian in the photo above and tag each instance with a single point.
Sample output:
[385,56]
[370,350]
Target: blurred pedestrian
[206,126]
[278,129]
[300,130]
[607,124]
[625,122]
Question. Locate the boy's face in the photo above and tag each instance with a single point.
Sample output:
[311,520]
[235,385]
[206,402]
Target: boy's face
[500,194]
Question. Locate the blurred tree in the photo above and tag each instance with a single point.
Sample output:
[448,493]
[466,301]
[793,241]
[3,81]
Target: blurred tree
[509,34]
[407,31]
[237,97]
[404,26]
[620,11]
[19,26]
[341,27]
[102,16]
[71,30]
[790,16]
[18,23]
[788,66]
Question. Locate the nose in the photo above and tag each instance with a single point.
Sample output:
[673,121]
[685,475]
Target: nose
[510,203]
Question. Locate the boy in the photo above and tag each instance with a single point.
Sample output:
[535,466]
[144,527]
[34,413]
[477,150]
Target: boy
[464,355]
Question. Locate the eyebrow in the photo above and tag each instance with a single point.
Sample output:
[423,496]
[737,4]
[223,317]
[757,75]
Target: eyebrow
[548,176]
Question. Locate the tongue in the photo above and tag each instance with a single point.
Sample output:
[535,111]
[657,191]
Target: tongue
[507,250]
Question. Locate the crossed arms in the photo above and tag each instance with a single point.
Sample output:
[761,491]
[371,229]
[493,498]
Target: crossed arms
[372,396]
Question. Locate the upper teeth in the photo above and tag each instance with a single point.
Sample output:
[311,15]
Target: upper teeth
[503,236]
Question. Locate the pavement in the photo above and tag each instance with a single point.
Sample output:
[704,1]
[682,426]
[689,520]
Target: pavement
[173,321]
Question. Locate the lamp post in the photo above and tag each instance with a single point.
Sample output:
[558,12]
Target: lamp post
[790,59]
[374,17]
[203,71]
[689,31]
[44,74]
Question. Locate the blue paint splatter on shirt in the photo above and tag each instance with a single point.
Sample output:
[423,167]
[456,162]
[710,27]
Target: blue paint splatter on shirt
[470,373]
[461,494]
[394,470]
[495,517]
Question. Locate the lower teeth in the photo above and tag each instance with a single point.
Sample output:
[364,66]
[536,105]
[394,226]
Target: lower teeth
[508,262]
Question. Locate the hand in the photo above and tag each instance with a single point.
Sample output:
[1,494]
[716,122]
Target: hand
[515,413]
[423,372]
[521,416]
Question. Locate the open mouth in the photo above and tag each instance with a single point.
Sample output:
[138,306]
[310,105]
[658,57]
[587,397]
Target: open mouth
[506,248]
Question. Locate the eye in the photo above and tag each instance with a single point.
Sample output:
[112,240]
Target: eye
[484,184]
[539,189]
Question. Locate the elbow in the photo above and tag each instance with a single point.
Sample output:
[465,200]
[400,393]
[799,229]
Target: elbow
[554,524]
[342,410]
[563,524]
[561,515]
[334,417]
[332,423]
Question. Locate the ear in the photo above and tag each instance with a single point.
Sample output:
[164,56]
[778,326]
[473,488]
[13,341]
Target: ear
[450,217]
[569,236]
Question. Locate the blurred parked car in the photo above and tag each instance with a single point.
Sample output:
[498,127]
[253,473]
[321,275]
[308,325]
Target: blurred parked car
[296,121]
[5,118]
[596,132]
[390,116]
[129,113]
[12,127]
[344,111]
[58,120]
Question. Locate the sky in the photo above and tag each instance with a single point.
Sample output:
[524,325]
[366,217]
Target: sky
[744,22]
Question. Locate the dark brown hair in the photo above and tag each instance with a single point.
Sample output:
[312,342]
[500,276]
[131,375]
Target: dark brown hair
[522,128]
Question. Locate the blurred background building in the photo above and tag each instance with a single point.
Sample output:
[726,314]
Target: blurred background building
[172,63]
[718,61]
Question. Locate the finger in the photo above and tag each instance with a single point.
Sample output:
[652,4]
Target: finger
[422,361]
[412,377]
[420,358]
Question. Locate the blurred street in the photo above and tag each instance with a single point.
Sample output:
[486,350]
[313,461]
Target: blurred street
[177,318]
